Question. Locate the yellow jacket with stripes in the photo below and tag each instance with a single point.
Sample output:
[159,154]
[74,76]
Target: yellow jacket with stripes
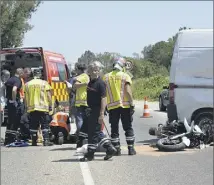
[36,95]
[115,89]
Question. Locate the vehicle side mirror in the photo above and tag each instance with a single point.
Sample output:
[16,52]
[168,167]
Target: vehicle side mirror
[165,87]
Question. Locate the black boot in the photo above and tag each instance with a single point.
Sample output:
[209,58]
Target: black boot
[34,140]
[47,142]
[131,150]
[9,138]
[79,143]
[52,138]
[89,156]
[118,152]
[111,150]
[46,138]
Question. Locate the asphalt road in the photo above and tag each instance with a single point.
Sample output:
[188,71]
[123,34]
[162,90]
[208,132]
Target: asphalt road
[58,165]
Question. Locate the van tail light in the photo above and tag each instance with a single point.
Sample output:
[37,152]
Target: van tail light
[172,87]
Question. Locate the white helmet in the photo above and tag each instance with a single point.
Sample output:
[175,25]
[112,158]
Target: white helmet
[119,64]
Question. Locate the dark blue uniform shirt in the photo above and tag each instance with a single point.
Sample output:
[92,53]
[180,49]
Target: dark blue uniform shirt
[96,90]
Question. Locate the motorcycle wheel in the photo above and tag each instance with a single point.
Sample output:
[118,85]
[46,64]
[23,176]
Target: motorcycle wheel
[167,145]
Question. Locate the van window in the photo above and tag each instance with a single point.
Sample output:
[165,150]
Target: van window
[11,61]
[62,72]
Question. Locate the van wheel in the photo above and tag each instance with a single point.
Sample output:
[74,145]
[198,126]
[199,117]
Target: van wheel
[161,105]
[205,121]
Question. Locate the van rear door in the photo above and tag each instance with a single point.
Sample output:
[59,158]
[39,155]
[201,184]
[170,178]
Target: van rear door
[23,57]
[191,73]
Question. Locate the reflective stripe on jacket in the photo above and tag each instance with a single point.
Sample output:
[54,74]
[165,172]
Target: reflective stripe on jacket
[36,95]
[21,92]
[115,89]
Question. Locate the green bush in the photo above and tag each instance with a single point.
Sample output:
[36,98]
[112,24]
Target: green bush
[146,69]
[149,87]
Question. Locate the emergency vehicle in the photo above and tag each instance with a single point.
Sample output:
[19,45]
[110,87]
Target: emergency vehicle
[53,65]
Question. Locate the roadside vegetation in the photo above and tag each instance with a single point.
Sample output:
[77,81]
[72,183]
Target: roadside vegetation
[150,67]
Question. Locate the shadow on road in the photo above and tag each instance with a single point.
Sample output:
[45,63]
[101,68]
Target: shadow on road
[148,142]
[63,149]
[159,111]
[65,160]
[77,160]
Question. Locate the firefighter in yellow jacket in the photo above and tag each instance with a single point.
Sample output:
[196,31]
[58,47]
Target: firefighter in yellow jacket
[60,125]
[120,105]
[38,103]
[80,85]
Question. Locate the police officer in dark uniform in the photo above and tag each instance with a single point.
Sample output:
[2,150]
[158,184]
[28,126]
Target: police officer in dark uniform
[13,86]
[96,100]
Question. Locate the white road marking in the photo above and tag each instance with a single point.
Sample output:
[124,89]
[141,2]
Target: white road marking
[86,173]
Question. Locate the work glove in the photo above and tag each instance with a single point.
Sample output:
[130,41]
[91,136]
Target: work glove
[132,109]
[88,112]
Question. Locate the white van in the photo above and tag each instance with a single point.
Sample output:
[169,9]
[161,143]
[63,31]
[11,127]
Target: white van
[191,77]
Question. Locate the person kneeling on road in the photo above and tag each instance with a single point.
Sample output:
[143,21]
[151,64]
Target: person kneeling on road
[60,126]
[91,128]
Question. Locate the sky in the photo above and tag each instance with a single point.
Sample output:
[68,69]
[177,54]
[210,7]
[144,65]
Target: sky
[125,27]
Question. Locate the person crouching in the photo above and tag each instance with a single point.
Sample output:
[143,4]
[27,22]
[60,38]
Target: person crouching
[60,126]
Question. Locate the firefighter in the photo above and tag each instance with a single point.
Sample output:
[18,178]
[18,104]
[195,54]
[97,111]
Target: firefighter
[60,125]
[28,75]
[25,120]
[96,100]
[13,86]
[38,103]
[80,85]
[120,105]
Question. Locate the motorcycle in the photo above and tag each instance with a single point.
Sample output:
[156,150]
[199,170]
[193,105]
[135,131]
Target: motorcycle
[170,128]
[191,138]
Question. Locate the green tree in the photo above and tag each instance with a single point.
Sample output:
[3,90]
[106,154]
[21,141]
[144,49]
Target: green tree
[161,52]
[87,58]
[107,59]
[14,21]
[146,51]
